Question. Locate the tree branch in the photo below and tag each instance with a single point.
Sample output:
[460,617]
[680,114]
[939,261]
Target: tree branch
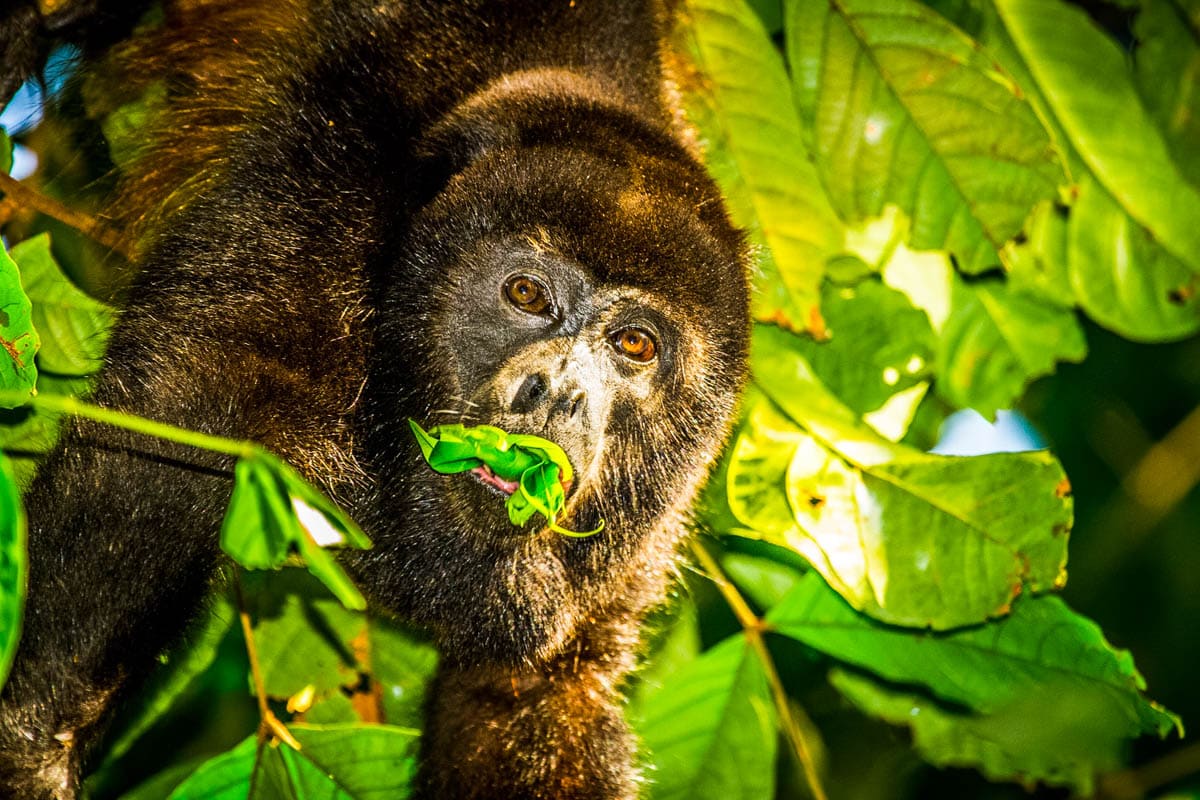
[753,628]
[27,197]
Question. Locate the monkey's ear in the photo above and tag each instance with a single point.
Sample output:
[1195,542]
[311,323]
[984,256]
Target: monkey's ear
[22,47]
[29,29]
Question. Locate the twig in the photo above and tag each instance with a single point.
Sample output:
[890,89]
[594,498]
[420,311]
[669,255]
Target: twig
[68,404]
[754,628]
[1140,781]
[86,224]
[269,722]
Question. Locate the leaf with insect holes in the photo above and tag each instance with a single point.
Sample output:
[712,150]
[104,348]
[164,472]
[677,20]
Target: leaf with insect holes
[274,511]
[73,326]
[538,467]
[17,336]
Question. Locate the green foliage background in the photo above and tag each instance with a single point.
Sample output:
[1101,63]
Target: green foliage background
[982,204]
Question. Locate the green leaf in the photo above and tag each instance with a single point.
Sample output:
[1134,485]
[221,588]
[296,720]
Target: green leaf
[538,467]
[274,512]
[997,339]
[13,567]
[304,636]
[1122,278]
[905,109]
[740,100]
[1041,650]
[674,643]
[711,730]
[336,762]
[876,344]
[403,666]
[18,339]
[907,537]
[28,433]
[1083,75]
[309,642]
[1166,67]
[1038,265]
[183,666]
[73,326]
[162,784]
[1059,736]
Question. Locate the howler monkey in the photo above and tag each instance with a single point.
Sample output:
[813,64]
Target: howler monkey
[353,212]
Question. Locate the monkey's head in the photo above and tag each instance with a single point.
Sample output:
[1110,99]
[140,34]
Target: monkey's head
[572,275]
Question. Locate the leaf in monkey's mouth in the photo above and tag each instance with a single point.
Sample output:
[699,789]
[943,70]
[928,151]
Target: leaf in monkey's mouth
[534,472]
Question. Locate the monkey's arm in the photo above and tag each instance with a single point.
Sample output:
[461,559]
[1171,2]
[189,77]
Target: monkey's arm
[120,556]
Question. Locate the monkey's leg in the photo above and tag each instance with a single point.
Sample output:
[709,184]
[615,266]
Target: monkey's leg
[532,733]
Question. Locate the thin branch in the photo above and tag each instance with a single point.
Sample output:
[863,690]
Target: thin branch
[1140,781]
[28,197]
[754,628]
[68,404]
[269,722]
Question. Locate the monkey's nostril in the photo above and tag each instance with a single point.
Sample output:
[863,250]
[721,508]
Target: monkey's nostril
[577,403]
[530,393]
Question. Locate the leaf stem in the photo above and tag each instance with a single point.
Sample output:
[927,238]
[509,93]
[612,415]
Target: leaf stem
[28,197]
[162,430]
[792,717]
[269,722]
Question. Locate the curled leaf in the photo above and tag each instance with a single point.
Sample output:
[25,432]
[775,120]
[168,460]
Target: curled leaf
[537,467]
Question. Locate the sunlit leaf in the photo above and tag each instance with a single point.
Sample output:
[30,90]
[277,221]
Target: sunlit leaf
[905,109]
[997,339]
[1122,278]
[335,762]
[710,732]
[1041,649]
[907,537]
[1167,70]
[1037,266]
[1086,82]
[72,325]
[876,344]
[13,567]
[740,99]
[18,340]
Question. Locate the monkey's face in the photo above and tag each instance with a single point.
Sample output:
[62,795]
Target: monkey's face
[598,304]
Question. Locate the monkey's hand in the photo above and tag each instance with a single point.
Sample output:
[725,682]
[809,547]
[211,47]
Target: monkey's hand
[40,757]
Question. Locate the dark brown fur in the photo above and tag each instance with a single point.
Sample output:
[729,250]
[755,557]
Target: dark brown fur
[323,212]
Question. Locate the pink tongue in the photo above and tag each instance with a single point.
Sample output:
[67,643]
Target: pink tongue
[485,474]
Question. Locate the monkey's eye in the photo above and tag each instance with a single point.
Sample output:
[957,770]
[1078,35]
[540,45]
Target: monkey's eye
[527,294]
[635,344]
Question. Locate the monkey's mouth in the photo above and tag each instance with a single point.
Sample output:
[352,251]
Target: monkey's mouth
[488,478]
[484,475]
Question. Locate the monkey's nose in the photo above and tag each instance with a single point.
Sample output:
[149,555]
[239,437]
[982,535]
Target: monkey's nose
[573,403]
